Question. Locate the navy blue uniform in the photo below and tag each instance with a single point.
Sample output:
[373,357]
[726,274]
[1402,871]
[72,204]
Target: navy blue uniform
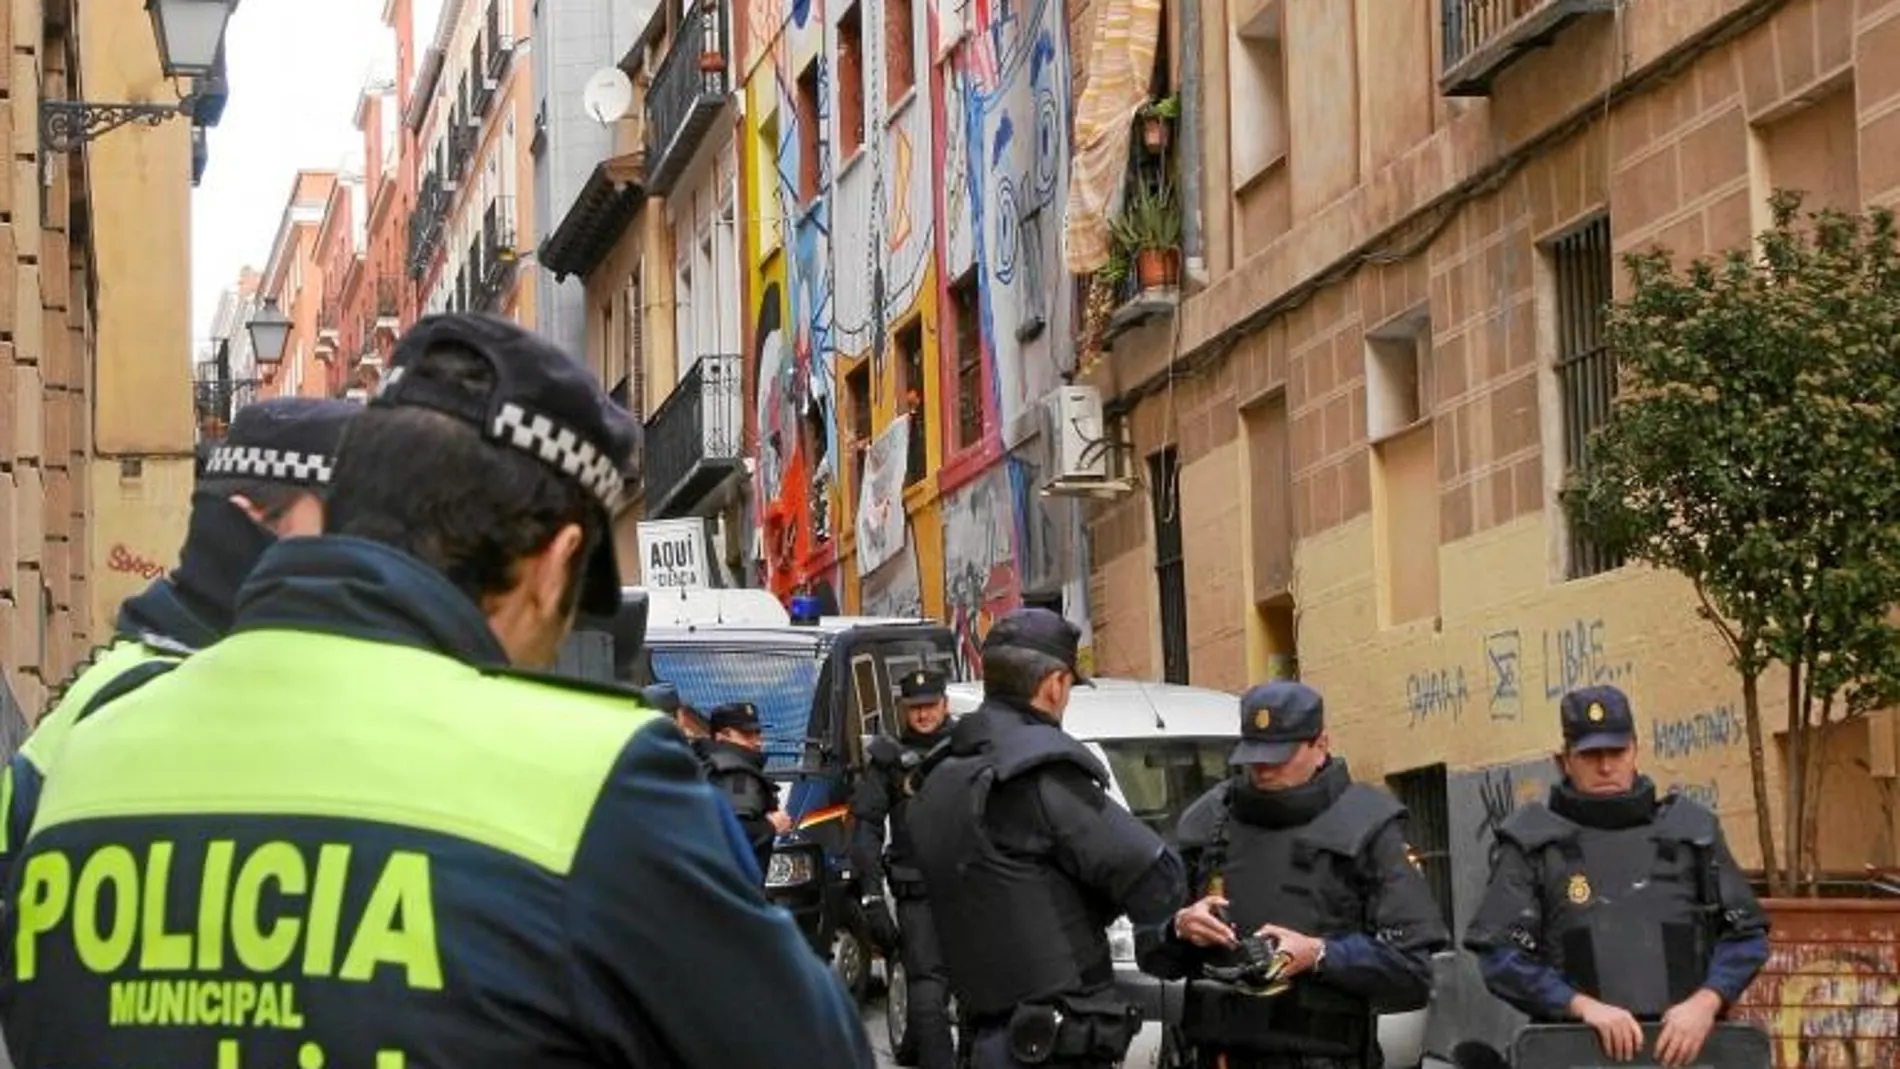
[348,836]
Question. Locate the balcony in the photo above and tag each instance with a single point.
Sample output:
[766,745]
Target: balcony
[687,93]
[696,439]
[1483,37]
[388,306]
[425,223]
[500,45]
[498,240]
[481,85]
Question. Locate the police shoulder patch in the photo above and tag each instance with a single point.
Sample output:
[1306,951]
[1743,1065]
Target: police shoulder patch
[1579,890]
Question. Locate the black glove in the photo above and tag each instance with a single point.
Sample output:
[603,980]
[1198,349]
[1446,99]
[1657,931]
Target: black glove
[881,923]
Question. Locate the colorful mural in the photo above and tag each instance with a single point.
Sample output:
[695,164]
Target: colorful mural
[959,175]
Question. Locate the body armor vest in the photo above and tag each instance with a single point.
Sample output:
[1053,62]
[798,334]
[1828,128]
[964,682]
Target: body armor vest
[900,765]
[1306,877]
[736,771]
[1627,911]
[1013,927]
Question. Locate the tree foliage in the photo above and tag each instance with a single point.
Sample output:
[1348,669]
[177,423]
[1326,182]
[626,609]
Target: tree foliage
[1755,449]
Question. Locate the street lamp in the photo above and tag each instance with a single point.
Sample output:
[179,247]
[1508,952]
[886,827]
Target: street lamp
[270,331]
[189,34]
[190,37]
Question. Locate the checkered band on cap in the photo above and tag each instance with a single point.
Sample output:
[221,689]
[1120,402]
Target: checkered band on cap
[562,447]
[281,465]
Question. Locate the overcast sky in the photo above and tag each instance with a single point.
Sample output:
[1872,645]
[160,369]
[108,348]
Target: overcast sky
[296,68]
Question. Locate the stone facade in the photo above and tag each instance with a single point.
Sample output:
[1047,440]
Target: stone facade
[1423,561]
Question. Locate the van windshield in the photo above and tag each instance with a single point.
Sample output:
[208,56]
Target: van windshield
[1160,778]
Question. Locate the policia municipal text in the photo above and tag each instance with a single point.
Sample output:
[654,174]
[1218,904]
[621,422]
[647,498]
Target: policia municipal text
[364,808]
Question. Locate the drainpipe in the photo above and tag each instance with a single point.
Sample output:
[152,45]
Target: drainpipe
[1192,164]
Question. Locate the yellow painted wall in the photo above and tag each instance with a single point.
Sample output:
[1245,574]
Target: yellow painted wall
[141,219]
[1483,689]
[139,523]
[139,183]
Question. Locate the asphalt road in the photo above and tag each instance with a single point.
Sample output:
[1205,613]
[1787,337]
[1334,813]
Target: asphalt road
[873,1013]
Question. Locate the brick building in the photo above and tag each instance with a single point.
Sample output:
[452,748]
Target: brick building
[294,278]
[1350,431]
[96,421]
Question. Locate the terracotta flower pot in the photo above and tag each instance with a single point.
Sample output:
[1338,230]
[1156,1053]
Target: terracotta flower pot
[1154,133]
[1158,268]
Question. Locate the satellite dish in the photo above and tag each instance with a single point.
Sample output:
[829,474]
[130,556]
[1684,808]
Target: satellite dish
[608,96]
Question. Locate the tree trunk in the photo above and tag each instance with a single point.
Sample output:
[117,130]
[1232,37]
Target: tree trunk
[1795,773]
[1811,804]
[1758,776]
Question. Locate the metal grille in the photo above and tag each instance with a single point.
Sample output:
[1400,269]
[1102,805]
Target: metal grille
[1586,368]
[1428,828]
[1170,568]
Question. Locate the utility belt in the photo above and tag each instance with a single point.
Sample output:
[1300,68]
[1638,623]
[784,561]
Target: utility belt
[1096,1027]
[1304,1020]
[906,883]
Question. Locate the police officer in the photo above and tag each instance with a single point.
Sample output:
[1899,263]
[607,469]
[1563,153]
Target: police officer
[262,483]
[1027,861]
[735,762]
[1614,907]
[1290,849]
[371,828]
[885,791]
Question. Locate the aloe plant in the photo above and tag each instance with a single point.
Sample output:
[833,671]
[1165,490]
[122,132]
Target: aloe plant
[1150,218]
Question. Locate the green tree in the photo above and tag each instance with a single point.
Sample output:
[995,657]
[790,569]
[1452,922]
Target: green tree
[1755,448]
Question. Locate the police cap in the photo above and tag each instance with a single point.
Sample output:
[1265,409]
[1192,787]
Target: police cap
[1040,630]
[1597,718]
[663,697]
[921,687]
[735,716]
[545,404]
[288,440]
[1275,719]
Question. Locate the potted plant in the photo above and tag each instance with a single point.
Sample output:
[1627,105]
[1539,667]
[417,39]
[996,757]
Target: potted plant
[1157,119]
[1149,226]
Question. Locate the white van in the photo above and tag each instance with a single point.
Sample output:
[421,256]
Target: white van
[1164,746]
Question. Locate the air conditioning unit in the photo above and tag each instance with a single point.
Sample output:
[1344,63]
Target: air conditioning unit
[1080,454]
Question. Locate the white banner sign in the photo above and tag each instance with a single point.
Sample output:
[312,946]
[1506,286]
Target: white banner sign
[673,554]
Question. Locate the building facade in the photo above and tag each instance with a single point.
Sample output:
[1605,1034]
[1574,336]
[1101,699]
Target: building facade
[227,377]
[905,172]
[472,113]
[294,279]
[340,260]
[96,415]
[1352,431]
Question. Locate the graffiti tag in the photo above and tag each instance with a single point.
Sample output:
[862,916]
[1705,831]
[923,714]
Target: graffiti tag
[1435,693]
[123,559]
[1707,794]
[1710,729]
[1503,673]
[1574,656]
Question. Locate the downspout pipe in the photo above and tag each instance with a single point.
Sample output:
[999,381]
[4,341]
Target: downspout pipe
[1191,165]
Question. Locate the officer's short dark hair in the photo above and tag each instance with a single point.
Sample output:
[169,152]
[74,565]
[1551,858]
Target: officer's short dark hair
[1016,671]
[432,486]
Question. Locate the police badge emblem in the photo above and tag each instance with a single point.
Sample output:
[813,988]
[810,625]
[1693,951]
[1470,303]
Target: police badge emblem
[1579,890]
[1262,719]
[1596,713]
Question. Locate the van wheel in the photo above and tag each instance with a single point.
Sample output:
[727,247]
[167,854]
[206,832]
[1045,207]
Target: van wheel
[850,961]
[897,1015]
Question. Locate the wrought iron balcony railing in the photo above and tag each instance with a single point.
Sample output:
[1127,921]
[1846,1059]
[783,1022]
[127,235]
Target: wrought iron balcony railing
[687,92]
[498,241]
[1482,37]
[696,438]
[500,45]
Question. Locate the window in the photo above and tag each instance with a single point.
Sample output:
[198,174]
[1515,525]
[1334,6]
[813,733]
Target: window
[1404,466]
[1428,826]
[1160,778]
[857,387]
[810,139]
[913,396]
[967,319]
[1164,477]
[1256,90]
[1586,368]
[1029,258]
[850,81]
[899,51]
